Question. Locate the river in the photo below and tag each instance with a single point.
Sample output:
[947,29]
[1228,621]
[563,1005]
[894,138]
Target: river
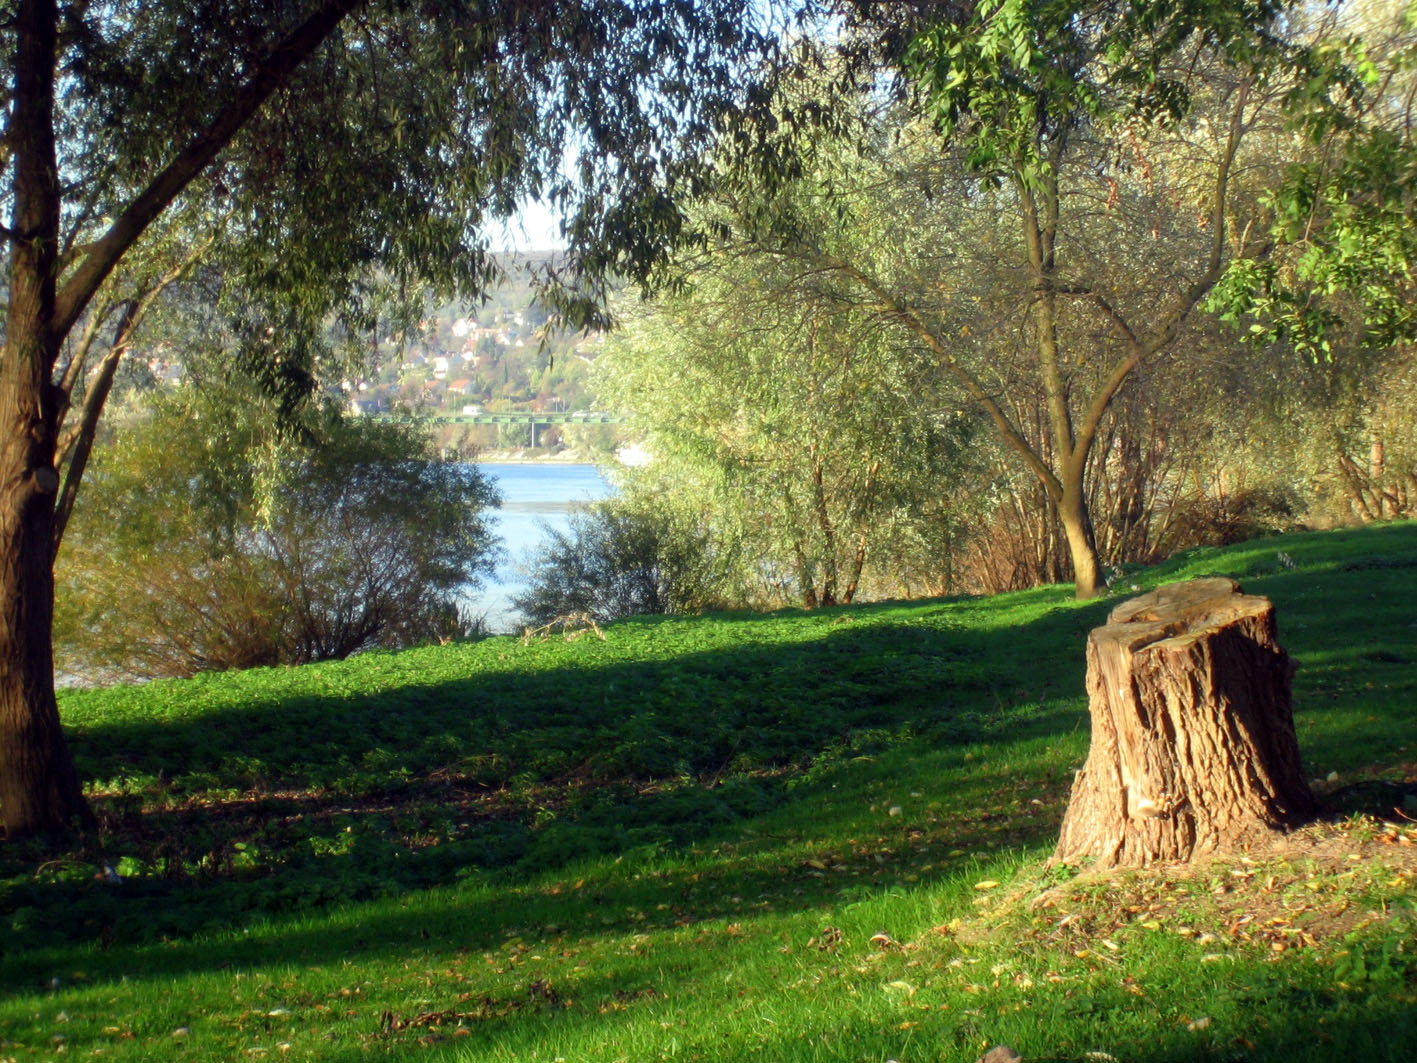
[534,496]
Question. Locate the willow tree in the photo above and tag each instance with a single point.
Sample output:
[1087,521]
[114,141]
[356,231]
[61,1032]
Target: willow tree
[340,140]
[1094,148]
[1028,92]
[796,429]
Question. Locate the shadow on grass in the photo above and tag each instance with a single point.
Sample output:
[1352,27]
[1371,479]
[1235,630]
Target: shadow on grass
[696,711]
[777,868]
[266,805]
[1305,1027]
[1372,1028]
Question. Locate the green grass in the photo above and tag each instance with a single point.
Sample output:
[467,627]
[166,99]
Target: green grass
[723,838]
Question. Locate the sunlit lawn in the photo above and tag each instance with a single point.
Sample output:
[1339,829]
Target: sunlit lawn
[804,837]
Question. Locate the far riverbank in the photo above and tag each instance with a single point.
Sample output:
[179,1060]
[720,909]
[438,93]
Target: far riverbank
[539,456]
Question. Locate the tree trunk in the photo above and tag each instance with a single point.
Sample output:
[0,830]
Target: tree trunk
[39,789]
[1193,744]
[824,523]
[1082,544]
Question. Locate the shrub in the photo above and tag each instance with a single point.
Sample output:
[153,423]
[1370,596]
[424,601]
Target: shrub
[619,558]
[206,540]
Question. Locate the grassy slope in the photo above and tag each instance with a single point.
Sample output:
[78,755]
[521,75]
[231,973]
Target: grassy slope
[723,838]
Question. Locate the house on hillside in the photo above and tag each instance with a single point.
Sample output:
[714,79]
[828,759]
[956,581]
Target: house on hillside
[366,407]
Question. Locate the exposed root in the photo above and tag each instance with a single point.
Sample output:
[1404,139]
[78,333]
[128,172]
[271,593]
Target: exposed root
[571,627]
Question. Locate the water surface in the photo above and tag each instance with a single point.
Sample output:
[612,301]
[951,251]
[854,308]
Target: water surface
[534,497]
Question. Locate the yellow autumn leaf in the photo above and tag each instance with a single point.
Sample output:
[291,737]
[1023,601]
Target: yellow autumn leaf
[987,884]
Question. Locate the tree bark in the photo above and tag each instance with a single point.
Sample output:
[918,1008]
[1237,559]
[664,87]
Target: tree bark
[1076,520]
[39,788]
[1193,744]
[824,523]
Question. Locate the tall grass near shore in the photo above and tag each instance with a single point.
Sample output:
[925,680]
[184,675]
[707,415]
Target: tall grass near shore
[814,836]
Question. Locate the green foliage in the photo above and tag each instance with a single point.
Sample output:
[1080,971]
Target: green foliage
[400,141]
[211,540]
[1016,77]
[1342,277]
[617,558]
[1337,275]
[1332,283]
[1038,220]
[807,443]
[1383,960]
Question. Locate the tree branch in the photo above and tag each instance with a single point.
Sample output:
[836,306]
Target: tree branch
[270,75]
[80,445]
[905,316]
[1107,310]
[75,369]
[1170,325]
[1171,321]
[1040,236]
[73,457]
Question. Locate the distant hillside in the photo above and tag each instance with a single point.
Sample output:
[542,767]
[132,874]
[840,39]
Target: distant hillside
[502,354]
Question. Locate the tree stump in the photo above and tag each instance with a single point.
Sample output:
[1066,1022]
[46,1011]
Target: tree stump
[1193,745]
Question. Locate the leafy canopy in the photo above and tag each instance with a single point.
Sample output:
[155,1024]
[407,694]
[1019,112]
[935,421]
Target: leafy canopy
[1338,275]
[380,161]
[1018,75]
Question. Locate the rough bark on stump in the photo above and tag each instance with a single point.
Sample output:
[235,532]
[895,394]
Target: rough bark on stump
[1193,745]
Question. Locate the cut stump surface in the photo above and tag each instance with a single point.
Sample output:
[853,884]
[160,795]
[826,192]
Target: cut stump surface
[1193,745]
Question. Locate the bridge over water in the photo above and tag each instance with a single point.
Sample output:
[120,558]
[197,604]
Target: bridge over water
[531,420]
